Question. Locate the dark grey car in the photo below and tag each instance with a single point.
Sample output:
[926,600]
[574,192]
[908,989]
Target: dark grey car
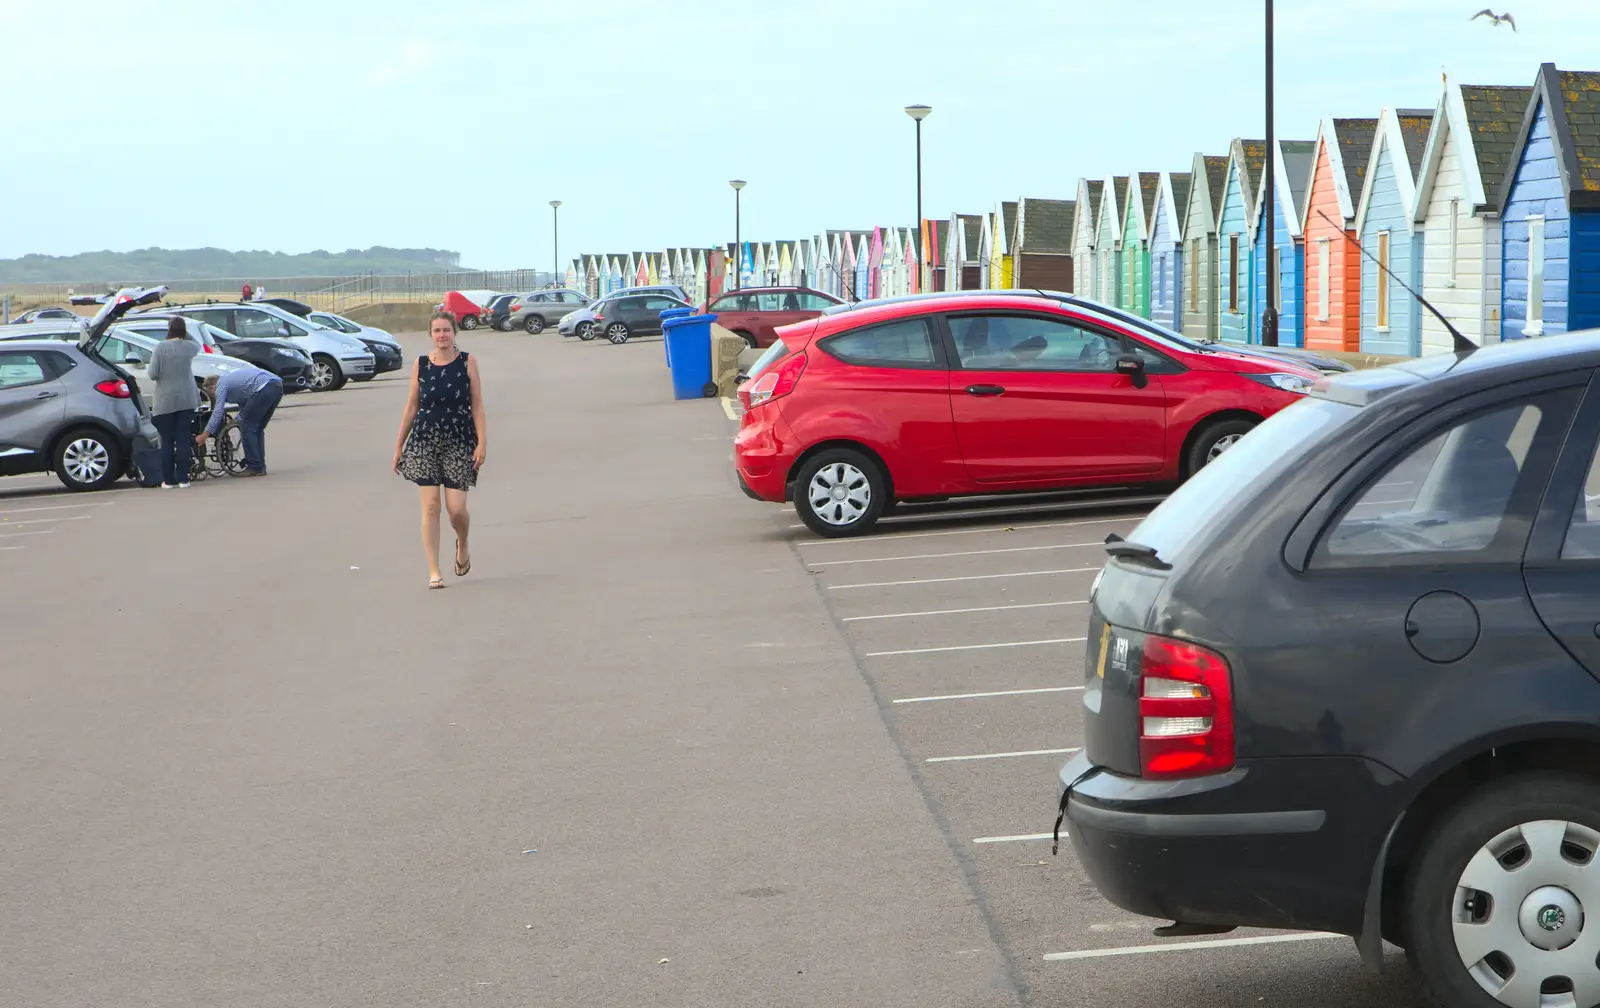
[540,310]
[621,318]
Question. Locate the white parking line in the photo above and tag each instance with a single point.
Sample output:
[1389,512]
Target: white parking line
[951,612]
[942,556]
[44,521]
[1001,755]
[1020,509]
[994,693]
[978,647]
[727,407]
[992,528]
[1014,839]
[5,548]
[57,507]
[29,496]
[964,577]
[14,535]
[1187,946]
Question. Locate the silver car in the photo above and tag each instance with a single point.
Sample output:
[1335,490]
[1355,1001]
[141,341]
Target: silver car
[539,310]
[387,353]
[335,357]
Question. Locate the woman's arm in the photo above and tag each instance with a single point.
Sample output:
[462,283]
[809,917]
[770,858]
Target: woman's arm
[479,421]
[153,369]
[407,415]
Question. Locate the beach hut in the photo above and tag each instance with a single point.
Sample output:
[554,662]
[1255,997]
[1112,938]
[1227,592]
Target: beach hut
[1005,242]
[1085,233]
[591,275]
[875,263]
[1291,166]
[773,269]
[1333,260]
[1550,239]
[965,242]
[1386,228]
[1108,241]
[701,291]
[1042,257]
[1136,215]
[1166,249]
[822,262]
[935,249]
[1236,320]
[1206,177]
[617,273]
[863,266]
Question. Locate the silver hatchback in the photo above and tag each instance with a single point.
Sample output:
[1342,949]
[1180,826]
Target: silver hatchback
[66,410]
[539,310]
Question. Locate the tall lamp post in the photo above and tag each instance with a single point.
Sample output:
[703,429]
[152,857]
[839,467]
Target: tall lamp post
[1269,317]
[919,113]
[738,243]
[555,238]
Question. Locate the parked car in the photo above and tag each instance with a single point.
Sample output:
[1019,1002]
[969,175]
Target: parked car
[1348,680]
[47,315]
[335,357]
[756,313]
[1005,393]
[497,313]
[468,307]
[283,357]
[132,350]
[387,353]
[289,305]
[670,290]
[621,317]
[57,329]
[537,310]
[64,408]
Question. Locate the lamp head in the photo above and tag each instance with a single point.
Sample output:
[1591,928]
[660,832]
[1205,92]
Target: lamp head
[737,183]
[919,112]
[555,203]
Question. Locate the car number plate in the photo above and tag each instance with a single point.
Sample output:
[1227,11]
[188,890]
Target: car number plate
[1105,639]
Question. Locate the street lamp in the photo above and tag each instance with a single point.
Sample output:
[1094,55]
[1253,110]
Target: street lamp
[555,238]
[1269,317]
[738,244]
[919,113]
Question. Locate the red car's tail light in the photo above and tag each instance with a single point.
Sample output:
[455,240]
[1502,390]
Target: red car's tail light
[1185,710]
[206,348]
[776,383]
[116,388]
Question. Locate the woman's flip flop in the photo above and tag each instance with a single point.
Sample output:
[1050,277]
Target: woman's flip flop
[462,569]
[435,584]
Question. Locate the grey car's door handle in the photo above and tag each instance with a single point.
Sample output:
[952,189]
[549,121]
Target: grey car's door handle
[986,390]
[45,395]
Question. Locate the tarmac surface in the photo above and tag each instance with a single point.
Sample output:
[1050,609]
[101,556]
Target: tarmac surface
[661,747]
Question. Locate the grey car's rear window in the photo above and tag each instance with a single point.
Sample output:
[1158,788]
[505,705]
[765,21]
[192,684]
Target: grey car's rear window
[1214,492]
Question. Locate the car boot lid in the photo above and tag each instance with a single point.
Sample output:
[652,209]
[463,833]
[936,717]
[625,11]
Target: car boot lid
[114,307]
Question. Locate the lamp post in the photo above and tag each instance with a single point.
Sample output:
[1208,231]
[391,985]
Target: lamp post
[919,113]
[1269,317]
[555,238]
[738,244]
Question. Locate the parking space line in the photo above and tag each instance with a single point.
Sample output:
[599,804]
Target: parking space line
[1002,755]
[993,528]
[978,647]
[57,507]
[1017,837]
[727,407]
[1187,946]
[964,577]
[14,535]
[993,693]
[943,556]
[24,494]
[1020,509]
[44,521]
[951,612]
[5,548]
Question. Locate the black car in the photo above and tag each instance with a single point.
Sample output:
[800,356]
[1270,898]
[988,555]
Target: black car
[289,305]
[619,318]
[499,311]
[1347,679]
[280,356]
[47,315]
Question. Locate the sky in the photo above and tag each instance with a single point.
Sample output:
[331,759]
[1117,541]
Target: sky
[295,125]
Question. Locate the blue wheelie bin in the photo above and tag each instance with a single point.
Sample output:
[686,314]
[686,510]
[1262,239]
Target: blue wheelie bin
[688,340]
[673,313]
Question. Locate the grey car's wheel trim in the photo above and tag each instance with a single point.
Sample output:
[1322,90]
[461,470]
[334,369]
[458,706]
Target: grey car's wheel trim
[534,324]
[616,332]
[1221,445]
[585,330]
[322,376]
[469,322]
[1519,917]
[86,460]
[839,494]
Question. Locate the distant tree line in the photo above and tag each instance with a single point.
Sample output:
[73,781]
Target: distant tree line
[160,265]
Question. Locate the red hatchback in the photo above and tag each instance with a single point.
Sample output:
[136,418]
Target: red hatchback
[757,313]
[941,395]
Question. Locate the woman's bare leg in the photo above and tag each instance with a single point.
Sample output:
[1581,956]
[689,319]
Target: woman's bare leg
[430,529]
[455,502]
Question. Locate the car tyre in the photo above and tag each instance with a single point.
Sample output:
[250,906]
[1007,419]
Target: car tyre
[749,340]
[326,374]
[840,492]
[1215,438]
[469,321]
[617,332]
[585,331]
[85,459]
[504,325]
[1486,840]
[534,324]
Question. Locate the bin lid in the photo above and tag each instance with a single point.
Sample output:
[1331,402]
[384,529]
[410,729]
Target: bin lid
[683,320]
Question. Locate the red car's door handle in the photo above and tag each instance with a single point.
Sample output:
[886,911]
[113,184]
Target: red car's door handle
[986,390]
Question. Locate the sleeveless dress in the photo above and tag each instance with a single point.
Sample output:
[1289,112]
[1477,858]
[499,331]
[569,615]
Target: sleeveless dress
[438,450]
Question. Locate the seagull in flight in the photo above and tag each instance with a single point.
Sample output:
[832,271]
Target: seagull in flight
[1496,19]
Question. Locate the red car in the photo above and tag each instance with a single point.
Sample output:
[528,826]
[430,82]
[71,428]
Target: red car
[940,395]
[756,313]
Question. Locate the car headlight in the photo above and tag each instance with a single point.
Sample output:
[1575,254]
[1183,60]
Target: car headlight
[354,347]
[1286,382]
[567,317]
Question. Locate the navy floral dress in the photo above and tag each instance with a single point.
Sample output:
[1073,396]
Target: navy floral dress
[438,449]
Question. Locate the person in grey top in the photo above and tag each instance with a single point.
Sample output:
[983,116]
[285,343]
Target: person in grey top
[176,399]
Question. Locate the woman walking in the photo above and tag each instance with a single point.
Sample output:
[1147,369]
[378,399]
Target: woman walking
[443,440]
[176,399]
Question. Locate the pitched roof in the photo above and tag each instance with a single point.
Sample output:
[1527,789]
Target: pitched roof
[1047,225]
[1120,190]
[1414,127]
[1095,188]
[1149,186]
[1181,181]
[1216,177]
[1297,155]
[1573,97]
[1355,138]
[1493,114]
[1581,89]
[972,230]
[1008,216]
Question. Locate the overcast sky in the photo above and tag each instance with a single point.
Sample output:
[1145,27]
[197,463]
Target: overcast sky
[302,124]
